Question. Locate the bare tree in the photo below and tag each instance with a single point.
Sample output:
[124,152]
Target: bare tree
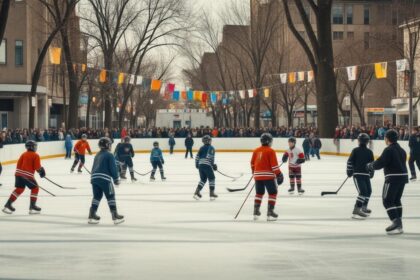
[4,12]
[319,51]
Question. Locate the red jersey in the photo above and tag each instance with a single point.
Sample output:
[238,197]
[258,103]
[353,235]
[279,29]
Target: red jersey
[264,164]
[28,163]
[81,147]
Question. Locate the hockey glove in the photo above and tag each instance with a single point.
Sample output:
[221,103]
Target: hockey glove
[117,182]
[369,167]
[349,173]
[284,158]
[41,172]
[280,179]
[300,160]
[371,174]
[215,167]
[163,162]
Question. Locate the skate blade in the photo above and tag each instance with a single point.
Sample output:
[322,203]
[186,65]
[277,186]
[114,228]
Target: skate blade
[291,193]
[93,222]
[213,198]
[395,231]
[117,222]
[7,211]
[301,194]
[357,217]
[196,197]
[256,217]
[34,212]
[271,219]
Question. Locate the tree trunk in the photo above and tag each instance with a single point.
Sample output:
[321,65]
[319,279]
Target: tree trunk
[4,12]
[257,110]
[63,77]
[305,109]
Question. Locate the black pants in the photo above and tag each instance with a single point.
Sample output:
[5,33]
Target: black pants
[78,158]
[125,162]
[391,197]
[155,165]
[1,168]
[261,187]
[171,149]
[99,190]
[189,150]
[206,173]
[364,188]
[416,159]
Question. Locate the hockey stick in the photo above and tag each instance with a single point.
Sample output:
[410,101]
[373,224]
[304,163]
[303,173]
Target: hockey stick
[241,189]
[50,193]
[239,211]
[35,185]
[87,169]
[231,177]
[336,192]
[54,183]
[145,174]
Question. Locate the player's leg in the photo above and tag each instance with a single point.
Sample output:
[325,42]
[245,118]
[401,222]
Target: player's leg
[398,200]
[292,181]
[81,164]
[367,196]
[200,186]
[129,163]
[411,161]
[109,192]
[191,154]
[259,194]
[298,176]
[361,187]
[75,162]
[154,166]
[96,200]
[123,173]
[33,208]
[272,198]
[19,189]
[212,183]
[162,172]
[390,197]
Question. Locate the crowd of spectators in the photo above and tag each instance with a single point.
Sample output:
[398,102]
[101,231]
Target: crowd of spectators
[15,136]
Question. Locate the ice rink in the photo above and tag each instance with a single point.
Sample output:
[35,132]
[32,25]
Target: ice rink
[169,235]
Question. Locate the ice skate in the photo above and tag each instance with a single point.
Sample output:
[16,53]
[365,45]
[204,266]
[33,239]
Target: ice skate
[291,191]
[213,195]
[72,170]
[271,215]
[118,219]
[163,178]
[413,178]
[152,178]
[395,228]
[123,177]
[8,208]
[33,209]
[301,191]
[133,179]
[366,210]
[358,214]
[257,212]
[93,218]
[197,194]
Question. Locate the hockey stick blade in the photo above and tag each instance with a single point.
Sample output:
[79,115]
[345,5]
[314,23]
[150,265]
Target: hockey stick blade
[138,173]
[328,193]
[241,189]
[54,183]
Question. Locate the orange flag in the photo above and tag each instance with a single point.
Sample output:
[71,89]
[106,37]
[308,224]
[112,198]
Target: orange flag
[156,85]
[292,77]
[102,76]
[83,68]
[55,56]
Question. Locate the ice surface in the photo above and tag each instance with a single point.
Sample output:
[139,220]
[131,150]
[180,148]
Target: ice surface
[168,235]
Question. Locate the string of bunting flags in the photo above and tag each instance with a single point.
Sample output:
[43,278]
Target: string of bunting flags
[169,91]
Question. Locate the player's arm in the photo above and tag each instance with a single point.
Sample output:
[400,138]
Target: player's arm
[350,163]
[113,169]
[161,157]
[253,161]
[132,151]
[381,162]
[301,158]
[276,168]
[38,167]
[88,148]
[285,157]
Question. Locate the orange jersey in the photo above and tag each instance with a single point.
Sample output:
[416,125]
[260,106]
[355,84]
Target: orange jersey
[81,147]
[28,163]
[264,164]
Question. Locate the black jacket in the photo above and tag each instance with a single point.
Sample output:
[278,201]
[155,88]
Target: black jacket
[317,143]
[189,142]
[359,158]
[414,144]
[393,161]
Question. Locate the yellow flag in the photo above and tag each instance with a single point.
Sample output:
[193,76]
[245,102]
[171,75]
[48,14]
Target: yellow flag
[267,92]
[83,68]
[55,56]
[102,76]
[197,95]
[381,70]
[292,77]
[120,78]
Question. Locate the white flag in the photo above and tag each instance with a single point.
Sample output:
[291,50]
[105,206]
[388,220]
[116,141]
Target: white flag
[310,76]
[132,80]
[351,72]
[283,78]
[139,80]
[301,76]
[242,94]
[401,65]
[250,93]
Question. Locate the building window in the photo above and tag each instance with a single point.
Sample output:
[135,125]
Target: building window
[338,35]
[19,53]
[350,35]
[3,52]
[366,40]
[337,14]
[366,14]
[349,14]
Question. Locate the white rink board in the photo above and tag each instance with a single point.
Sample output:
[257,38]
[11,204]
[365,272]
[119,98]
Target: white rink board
[168,235]
[10,153]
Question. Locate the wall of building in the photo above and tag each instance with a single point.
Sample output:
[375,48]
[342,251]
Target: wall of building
[187,118]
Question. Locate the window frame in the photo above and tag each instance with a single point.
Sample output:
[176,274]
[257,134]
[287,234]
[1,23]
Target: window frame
[366,20]
[349,7]
[5,51]
[335,6]
[23,53]
[338,38]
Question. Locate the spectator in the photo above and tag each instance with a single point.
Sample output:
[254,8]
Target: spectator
[306,147]
[68,144]
[189,143]
[317,146]
[171,143]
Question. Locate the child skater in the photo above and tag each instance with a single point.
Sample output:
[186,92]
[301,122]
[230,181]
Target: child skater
[296,158]
[79,153]
[156,159]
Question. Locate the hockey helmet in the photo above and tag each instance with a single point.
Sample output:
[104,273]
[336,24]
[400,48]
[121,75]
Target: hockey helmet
[84,136]
[105,143]
[266,139]
[292,140]
[156,144]
[127,139]
[31,145]
[391,135]
[206,140]
[363,139]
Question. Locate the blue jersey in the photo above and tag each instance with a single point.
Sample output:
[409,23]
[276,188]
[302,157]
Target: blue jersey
[124,150]
[205,156]
[156,155]
[104,170]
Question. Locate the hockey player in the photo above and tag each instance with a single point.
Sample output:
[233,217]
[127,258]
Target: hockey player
[296,158]
[80,151]
[266,171]
[204,162]
[393,161]
[156,159]
[104,176]
[414,144]
[28,163]
[356,167]
[124,154]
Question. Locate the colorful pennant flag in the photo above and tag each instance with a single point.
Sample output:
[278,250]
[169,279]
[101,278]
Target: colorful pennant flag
[139,80]
[301,76]
[250,93]
[190,95]
[292,77]
[147,83]
[242,94]
[171,87]
[197,96]
[102,76]
[401,65]
[204,97]
[83,68]
[184,95]
[175,96]
[381,70]
[156,85]
[266,92]
[213,97]
[310,76]
[55,55]
[120,78]
[351,73]
[283,78]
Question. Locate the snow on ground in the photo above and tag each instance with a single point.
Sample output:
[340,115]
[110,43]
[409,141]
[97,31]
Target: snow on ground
[168,235]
